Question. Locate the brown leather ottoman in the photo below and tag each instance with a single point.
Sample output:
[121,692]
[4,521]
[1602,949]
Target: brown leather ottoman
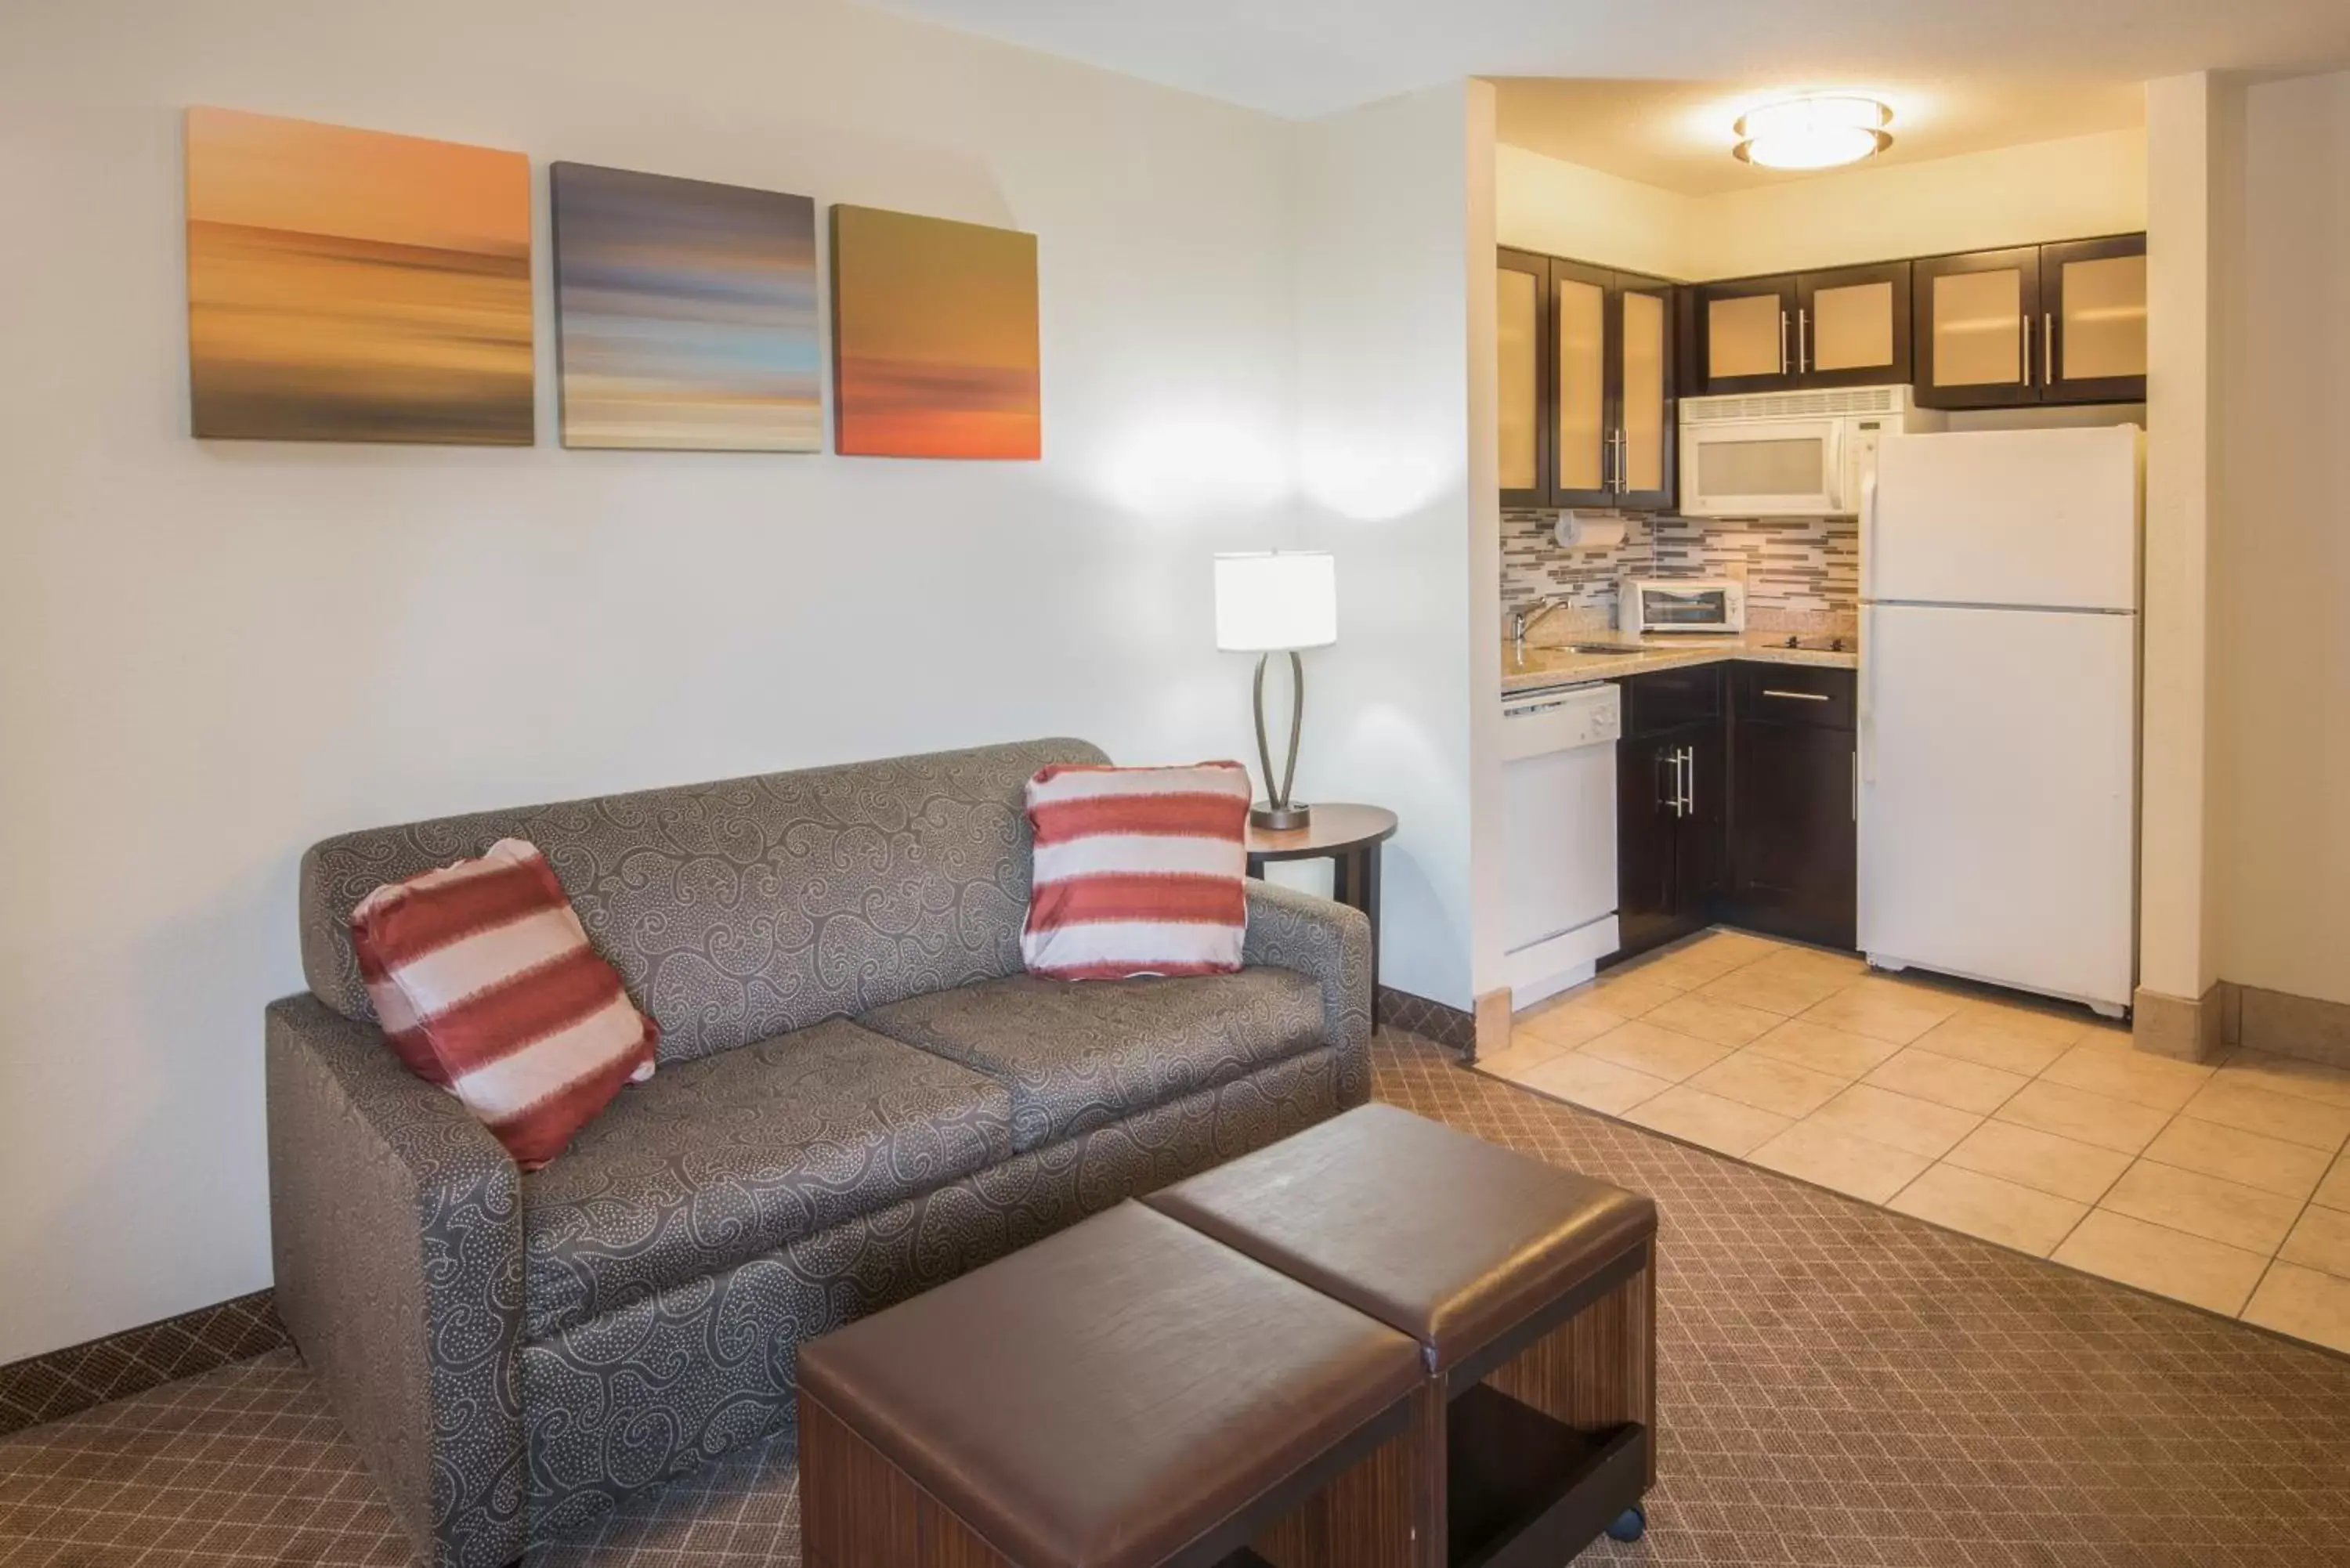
[1530,1291]
[1126,1394]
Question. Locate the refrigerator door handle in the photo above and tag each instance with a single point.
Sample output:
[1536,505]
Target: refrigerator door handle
[1864,733]
[1868,533]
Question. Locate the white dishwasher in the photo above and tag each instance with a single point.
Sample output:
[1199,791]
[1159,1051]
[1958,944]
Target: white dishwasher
[1558,783]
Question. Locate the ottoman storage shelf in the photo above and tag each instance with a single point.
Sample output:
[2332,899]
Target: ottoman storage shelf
[1126,1394]
[1530,1290]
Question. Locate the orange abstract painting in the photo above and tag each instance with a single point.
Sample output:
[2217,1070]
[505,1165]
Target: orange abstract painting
[934,338]
[354,286]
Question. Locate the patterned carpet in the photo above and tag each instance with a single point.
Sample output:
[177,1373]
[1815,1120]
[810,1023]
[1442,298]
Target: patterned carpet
[1839,1385]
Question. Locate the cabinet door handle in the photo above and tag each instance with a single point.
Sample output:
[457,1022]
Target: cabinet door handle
[1688,781]
[2024,377]
[2048,349]
[1802,331]
[1783,343]
[1796,696]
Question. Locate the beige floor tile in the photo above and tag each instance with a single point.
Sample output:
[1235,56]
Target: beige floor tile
[1628,992]
[1870,1171]
[1826,1050]
[1883,1117]
[2321,1241]
[2076,1113]
[1713,955]
[1710,1018]
[2335,1191]
[2050,1025]
[1709,1120]
[1773,989]
[2239,1104]
[2001,1211]
[1794,958]
[2064,1166]
[1986,1041]
[1565,1025]
[1602,1086]
[1525,1051]
[2107,1035]
[1770,1083]
[2134,1075]
[2270,1163]
[2305,1304]
[1947,1081]
[2203,1205]
[1883,1010]
[2208,1275]
[1660,1052]
[2288,1075]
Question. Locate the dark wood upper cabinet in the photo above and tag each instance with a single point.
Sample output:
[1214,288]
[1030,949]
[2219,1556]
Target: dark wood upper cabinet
[1521,324]
[1977,319]
[1588,372]
[1852,326]
[1746,335]
[2093,320]
[2033,324]
[1845,328]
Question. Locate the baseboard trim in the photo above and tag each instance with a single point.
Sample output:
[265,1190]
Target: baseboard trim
[2309,1027]
[1445,1025]
[62,1382]
[2186,1029]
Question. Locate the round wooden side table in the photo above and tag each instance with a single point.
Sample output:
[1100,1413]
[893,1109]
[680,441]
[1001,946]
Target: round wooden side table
[1346,835]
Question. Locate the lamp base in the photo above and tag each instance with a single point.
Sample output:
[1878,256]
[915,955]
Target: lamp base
[1280,819]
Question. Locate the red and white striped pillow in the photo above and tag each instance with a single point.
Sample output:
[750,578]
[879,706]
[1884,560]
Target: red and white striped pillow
[1139,871]
[484,983]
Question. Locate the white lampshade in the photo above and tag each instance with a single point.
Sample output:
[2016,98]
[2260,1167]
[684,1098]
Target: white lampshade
[1271,601]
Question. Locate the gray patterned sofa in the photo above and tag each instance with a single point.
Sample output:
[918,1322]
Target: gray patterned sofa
[861,1095]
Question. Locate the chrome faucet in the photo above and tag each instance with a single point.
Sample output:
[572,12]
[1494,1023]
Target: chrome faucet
[1524,619]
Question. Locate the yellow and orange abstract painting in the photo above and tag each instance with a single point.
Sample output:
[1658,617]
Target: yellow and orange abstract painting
[355,285]
[934,338]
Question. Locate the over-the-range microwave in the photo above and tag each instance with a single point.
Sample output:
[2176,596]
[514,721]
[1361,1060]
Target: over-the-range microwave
[1789,454]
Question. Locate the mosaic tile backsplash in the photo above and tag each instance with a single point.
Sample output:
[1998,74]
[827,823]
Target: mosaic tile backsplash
[1802,568]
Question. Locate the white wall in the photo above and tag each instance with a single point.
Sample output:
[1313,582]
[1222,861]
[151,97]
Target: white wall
[211,654]
[1563,209]
[2280,719]
[1384,256]
[2065,189]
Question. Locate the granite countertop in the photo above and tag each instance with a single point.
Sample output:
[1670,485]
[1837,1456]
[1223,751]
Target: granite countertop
[1560,666]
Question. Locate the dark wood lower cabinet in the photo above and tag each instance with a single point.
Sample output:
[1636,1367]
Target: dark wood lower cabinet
[1795,869]
[1672,806]
[1734,803]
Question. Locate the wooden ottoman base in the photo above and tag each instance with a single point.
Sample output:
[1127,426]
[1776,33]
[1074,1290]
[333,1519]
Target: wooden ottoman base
[857,1510]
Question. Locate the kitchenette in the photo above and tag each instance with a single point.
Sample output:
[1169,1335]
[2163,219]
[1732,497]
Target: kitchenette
[1819,595]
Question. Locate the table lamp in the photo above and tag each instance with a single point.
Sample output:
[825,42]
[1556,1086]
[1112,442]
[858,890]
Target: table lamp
[1269,602]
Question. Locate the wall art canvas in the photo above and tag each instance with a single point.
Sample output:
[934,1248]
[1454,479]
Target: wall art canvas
[934,338]
[685,314]
[353,285]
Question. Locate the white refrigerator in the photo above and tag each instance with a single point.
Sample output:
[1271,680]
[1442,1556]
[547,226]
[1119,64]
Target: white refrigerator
[1999,699]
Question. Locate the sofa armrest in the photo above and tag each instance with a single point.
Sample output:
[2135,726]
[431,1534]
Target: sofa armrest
[396,1228]
[1332,944]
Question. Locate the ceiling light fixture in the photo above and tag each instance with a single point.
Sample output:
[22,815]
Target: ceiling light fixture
[1812,132]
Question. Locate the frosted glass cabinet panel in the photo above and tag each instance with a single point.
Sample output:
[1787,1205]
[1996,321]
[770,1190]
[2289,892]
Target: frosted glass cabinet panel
[1749,335]
[1647,399]
[1579,304]
[2094,319]
[1518,333]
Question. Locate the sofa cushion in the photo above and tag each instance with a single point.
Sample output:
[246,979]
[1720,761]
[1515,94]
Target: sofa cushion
[750,907]
[729,1157]
[1078,1055]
